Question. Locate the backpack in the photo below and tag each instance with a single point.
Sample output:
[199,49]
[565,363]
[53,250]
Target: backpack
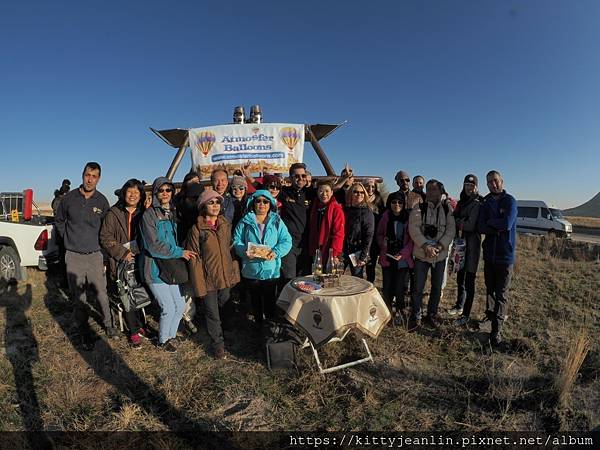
[282,342]
[132,293]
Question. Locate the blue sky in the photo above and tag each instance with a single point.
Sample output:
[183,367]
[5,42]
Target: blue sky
[440,88]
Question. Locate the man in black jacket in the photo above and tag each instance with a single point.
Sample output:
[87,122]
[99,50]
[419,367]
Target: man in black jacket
[78,220]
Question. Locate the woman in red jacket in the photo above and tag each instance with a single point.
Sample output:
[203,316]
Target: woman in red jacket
[326,229]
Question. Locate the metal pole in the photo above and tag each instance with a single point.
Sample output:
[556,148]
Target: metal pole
[177,159]
[319,151]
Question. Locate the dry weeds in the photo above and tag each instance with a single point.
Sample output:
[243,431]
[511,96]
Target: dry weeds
[445,379]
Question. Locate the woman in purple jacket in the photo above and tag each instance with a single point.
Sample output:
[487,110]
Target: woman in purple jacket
[395,257]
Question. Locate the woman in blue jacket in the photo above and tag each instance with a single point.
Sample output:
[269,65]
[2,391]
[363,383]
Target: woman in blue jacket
[262,225]
[159,240]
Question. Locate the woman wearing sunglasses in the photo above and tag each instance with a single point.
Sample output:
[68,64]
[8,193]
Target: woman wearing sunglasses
[238,190]
[360,228]
[262,225]
[159,241]
[214,272]
[272,183]
[395,255]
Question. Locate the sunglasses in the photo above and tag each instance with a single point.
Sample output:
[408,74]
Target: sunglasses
[406,180]
[161,190]
[238,188]
[369,186]
[300,175]
[261,201]
[214,202]
[274,187]
[358,193]
[396,202]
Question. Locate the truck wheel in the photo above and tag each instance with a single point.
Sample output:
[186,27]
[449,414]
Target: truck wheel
[9,264]
[552,233]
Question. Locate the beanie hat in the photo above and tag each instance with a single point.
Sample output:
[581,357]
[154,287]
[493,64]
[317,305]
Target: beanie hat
[207,196]
[471,179]
[238,181]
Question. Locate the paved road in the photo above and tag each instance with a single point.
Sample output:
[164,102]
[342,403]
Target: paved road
[593,239]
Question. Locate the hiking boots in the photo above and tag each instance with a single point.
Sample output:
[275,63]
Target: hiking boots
[135,341]
[167,346]
[432,322]
[455,311]
[220,352]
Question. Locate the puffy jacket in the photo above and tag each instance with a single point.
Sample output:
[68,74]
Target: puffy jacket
[214,268]
[498,221]
[159,235]
[359,230]
[381,238]
[276,236]
[331,232]
[435,216]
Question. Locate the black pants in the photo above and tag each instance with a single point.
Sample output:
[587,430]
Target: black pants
[263,296]
[372,264]
[394,286]
[497,282]
[213,301]
[466,291]
[132,320]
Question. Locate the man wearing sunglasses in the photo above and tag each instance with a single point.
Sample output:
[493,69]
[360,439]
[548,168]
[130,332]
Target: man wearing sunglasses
[411,199]
[296,201]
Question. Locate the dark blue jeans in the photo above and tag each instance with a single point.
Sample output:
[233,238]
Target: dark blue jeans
[466,291]
[437,277]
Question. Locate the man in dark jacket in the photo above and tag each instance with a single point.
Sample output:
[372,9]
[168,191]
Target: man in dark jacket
[498,221]
[78,220]
[220,183]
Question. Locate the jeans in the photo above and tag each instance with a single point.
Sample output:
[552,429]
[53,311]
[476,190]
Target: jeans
[394,286]
[172,306]
[263,295]
[437,277]
[497,282]
[466,291]
[213,301]
[86,272]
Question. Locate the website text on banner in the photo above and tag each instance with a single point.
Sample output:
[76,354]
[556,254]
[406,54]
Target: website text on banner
[269,147]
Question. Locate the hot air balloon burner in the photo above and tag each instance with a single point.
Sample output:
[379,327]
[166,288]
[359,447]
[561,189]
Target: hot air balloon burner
[255,114]
[239,116]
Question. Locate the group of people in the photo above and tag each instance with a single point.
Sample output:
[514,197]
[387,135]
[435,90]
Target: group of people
[200,242]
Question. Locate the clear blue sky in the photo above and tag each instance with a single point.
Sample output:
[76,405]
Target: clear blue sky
[440,88]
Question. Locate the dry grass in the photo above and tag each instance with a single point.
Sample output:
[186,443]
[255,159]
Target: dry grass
[578,350]
[431,380]
[584,222]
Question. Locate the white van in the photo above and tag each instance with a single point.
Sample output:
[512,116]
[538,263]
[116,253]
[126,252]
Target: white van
[535,217]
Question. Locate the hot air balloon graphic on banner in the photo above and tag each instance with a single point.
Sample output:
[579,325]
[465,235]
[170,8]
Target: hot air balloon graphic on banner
[205,141]
[289,136]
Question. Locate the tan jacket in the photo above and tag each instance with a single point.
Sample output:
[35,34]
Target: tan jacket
[214,268]
[446,229]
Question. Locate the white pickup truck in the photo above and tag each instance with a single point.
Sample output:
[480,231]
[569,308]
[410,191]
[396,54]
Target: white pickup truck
[24,243]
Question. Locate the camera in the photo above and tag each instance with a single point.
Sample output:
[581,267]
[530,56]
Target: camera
[430,231]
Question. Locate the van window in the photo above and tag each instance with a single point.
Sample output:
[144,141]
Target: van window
[546,214]
[528,212]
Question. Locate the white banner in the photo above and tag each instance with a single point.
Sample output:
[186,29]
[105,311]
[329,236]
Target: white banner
[269,147]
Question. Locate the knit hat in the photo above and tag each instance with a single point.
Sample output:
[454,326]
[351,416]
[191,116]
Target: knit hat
[471,179]
[401,175]
[238,181]
[270,179]
[207,196]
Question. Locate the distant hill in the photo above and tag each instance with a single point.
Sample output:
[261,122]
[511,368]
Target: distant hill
[590,208]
